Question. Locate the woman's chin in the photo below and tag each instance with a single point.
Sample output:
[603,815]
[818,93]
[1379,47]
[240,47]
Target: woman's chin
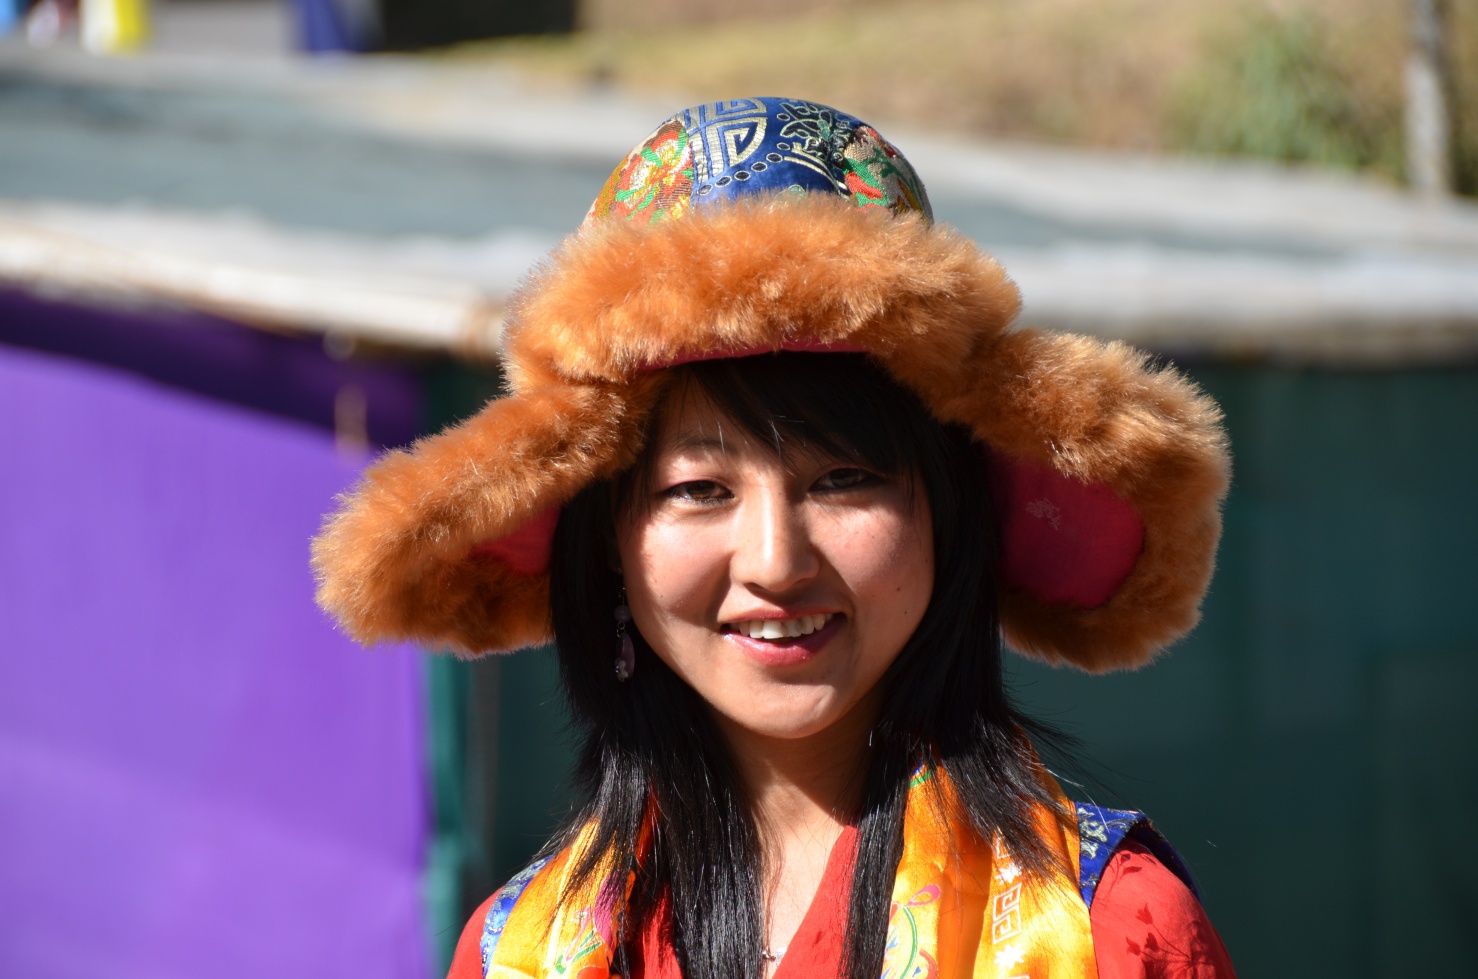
[792,718]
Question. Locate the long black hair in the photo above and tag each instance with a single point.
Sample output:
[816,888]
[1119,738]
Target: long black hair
[651,755]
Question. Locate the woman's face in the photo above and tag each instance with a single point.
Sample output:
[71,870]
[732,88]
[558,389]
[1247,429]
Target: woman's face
[780,589]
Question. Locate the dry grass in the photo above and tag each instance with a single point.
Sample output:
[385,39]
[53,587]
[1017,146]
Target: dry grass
[1119,74]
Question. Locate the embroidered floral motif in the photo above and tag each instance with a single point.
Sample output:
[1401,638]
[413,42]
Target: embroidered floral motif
[877,175]
[1010,956]
[654,182]
[1046,510]
[903,958]
[581,947]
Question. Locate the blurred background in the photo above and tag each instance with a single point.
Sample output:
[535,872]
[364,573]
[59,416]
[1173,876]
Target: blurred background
[246,244]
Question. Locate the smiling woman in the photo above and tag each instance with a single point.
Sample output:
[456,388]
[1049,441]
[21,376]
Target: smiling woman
[778,480]
[825,561]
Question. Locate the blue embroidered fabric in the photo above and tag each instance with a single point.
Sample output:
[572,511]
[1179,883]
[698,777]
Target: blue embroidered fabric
[748,145]
[1101,831]
[498,911]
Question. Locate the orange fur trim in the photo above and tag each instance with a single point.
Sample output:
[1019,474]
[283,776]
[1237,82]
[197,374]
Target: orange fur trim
[620,298]
[397,563]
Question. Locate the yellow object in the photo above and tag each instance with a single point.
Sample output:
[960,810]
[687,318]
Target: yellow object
[961,907]
[114,26]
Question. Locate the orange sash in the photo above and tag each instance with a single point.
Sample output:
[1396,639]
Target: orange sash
[960,908]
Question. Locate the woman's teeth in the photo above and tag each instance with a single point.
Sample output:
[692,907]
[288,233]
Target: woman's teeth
[782,628]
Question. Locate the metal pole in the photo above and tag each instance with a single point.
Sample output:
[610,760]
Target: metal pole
[1428,123]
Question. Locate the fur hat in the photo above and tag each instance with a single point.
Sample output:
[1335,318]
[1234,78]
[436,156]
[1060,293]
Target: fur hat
[776,224]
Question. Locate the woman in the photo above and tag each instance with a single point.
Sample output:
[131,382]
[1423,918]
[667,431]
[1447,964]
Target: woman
[777,479]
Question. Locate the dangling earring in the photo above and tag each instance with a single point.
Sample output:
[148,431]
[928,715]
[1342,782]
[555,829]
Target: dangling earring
[626,650]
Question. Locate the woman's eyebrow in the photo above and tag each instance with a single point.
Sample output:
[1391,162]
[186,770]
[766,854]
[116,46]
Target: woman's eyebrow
[688,441]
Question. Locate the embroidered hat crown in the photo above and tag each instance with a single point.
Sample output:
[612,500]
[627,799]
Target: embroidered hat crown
[719,152]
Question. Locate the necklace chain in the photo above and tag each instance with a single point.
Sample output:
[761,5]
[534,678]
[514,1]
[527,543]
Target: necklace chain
[768,956]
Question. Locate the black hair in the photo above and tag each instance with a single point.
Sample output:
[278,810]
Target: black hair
[651,754]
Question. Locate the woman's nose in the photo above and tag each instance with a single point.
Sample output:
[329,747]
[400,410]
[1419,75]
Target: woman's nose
[774,552]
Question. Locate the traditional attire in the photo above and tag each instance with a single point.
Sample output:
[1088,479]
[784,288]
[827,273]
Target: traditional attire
[756,226]
[957,910]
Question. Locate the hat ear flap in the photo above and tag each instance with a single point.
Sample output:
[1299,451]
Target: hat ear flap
[1109,474]
[1067,542]
[451,540]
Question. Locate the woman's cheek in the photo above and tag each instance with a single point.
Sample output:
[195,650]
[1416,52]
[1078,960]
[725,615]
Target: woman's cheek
[885,554]
[679,566]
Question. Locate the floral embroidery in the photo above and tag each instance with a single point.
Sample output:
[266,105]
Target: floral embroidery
[1010,956]
[877,175]
[654,181]
[903,957]
[586,941]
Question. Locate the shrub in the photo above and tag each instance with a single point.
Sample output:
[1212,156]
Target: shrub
[1275,89]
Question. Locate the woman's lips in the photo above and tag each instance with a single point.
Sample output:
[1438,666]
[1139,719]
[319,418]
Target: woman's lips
[789,651]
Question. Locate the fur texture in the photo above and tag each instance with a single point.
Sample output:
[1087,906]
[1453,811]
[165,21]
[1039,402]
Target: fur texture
[621,300]
[399,562]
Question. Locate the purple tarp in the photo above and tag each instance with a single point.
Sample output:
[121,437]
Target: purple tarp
[198,776]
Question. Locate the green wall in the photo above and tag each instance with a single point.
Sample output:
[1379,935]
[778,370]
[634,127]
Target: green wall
[1304,748]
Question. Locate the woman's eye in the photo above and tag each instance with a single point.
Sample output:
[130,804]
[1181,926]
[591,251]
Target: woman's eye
[699,490]
[844,478]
